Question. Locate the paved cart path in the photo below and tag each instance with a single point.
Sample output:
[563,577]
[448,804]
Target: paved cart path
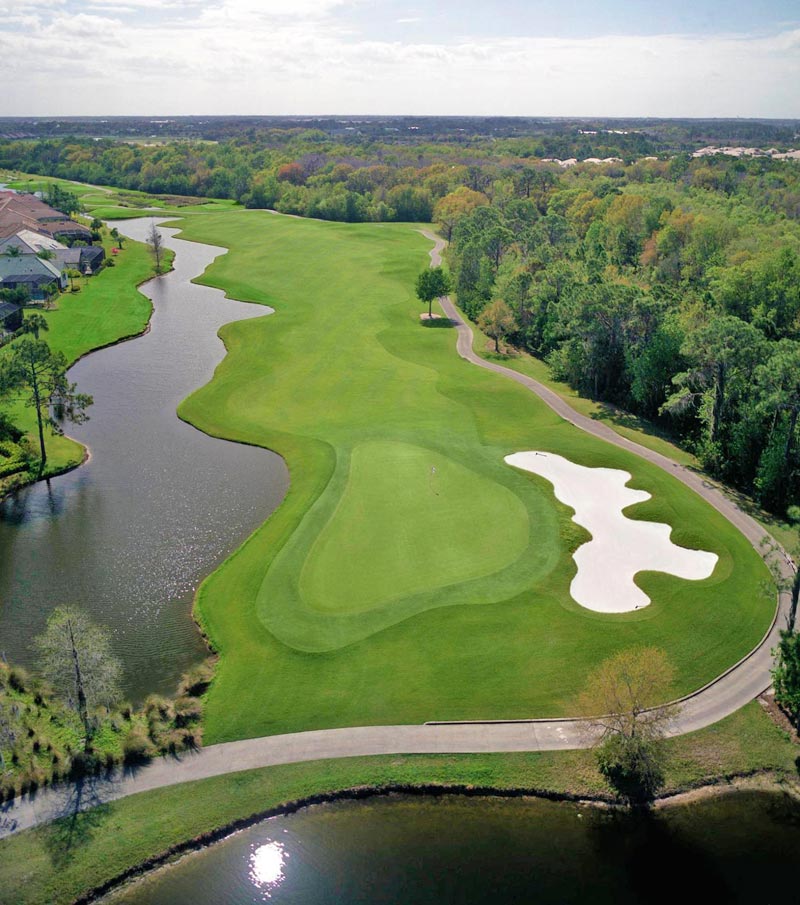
[729,692]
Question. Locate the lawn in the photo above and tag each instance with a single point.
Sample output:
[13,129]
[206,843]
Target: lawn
[107,308]
[56,863]
[410,574]
[634,428]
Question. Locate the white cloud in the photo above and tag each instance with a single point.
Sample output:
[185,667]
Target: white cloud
[264,56]
[23,6]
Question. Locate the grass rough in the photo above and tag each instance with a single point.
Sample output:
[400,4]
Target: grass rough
[59,862]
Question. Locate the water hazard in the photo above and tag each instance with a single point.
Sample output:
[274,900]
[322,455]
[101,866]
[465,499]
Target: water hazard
[131,534]
[458,851]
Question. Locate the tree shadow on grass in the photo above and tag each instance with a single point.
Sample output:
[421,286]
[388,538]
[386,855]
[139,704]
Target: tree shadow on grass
[621,418]
[438,323]
[77,818]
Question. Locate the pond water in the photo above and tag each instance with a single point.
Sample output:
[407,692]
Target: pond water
[130,535]
[386,851]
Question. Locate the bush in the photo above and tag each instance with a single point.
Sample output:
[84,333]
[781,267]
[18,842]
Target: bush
[136,746]
[196,681]
[19,678]
[187,710]
[157,708]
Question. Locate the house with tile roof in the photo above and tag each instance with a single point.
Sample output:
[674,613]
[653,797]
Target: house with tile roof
[20,211]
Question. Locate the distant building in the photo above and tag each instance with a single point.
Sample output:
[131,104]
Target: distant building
[20,211]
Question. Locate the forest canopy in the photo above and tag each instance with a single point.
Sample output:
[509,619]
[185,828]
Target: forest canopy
[664,283]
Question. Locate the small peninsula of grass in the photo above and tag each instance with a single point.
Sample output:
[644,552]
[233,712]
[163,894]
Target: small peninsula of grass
[57,863]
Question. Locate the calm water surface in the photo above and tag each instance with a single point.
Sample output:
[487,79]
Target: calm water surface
[130,535]
[388,851]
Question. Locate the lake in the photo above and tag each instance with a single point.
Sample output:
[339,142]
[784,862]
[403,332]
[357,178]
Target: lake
[129,535]
[740,847]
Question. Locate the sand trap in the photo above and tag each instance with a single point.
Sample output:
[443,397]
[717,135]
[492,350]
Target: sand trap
[620,547]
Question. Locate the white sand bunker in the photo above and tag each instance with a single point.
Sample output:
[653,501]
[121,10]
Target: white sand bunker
[620,547]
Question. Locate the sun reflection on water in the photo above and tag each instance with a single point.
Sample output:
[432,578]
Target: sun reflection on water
[266,866]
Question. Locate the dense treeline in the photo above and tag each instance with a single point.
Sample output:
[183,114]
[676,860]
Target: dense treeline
[641,135]
[310,173]
[668,286]
[671,288]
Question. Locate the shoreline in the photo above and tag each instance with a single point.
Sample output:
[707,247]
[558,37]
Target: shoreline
[767,781]
[86,451]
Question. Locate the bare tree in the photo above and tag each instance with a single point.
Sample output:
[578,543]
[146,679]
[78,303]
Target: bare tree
[76,658]
[624,702]
[156,244]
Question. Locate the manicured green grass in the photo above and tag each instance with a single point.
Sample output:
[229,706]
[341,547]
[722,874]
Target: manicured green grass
[640,430]
[55,864]
[418,520]
[107,308]
[341,365]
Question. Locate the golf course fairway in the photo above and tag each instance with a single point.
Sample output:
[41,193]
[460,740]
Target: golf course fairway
[410,574]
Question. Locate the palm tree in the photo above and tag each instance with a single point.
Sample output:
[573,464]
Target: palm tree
[72,273]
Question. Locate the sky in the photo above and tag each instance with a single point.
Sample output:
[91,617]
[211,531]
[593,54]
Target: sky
[703,58]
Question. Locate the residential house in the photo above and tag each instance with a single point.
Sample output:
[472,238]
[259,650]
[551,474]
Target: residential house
[28,239]
[39,278]
[10,317]
[86,259]
[22,211]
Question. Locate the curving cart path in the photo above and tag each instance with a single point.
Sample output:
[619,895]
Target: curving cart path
[727,693]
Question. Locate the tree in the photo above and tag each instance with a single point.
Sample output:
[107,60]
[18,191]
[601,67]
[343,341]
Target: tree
[432,283]
[777,382]
[156,244]
[622,700]
[724,352]
[32,366]
[449,210]
[76,658]
[72,273]
[117,236]
[35,324]
[497,320]
[786,673]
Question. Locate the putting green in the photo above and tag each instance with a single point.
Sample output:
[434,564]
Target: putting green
[410,520]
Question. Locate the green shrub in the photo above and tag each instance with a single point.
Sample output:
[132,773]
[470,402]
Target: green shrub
[187,710]
[136,746]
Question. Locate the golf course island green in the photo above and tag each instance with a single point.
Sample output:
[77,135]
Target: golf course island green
[410,574]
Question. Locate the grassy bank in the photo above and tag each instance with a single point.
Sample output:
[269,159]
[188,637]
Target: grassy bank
[366,405]
[107,309]
[631,426]
[57,863]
